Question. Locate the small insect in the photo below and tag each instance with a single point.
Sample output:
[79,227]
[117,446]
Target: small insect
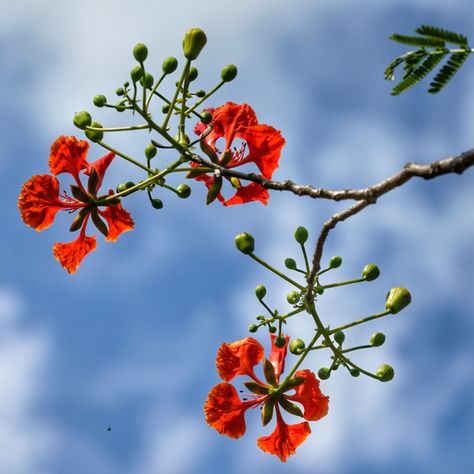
[109,428]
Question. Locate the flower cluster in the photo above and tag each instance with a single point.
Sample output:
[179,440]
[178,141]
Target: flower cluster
[261,145]
[225,410]
[40,200]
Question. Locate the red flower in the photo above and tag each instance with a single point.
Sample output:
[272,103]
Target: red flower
[40,200]
[225,411]
[262,146]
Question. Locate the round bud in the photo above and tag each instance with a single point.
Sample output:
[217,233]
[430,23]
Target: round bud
[157,203]
[297,345]
[354,372]
[120,106]
[319,290]
[260,292]
[385,373]
[184,191]
[245,243]
[280,341]
[99,100]
[253,328]
[290,263]
[166,108]
[200,93]
[339,337]
[301,235]
[121,187]
[194,40]
[82,119]
[126,84]
[272,329]
[229,73]
[335,262]
[206,117]
[370,272]
[397,299]
[193,74]
[136,73]
[324,373]
[94,135]
[169,65]
[129,184]
[293,297]
[120,91]
[149,80]
[150,151]
[377,339]
[140,52]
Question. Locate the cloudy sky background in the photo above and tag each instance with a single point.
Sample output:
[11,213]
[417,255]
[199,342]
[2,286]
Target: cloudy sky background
[130,340]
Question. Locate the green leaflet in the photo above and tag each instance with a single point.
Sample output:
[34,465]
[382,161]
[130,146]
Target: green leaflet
[444,35]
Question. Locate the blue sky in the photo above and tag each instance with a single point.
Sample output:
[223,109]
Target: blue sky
[130,340]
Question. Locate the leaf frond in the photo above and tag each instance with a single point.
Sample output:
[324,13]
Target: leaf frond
[421,41]
[440,33]
[447,72]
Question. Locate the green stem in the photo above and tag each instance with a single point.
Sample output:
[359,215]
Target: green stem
[178,89]
[150,95]
[200,101]
[267,308]
[306,262]
[360,321]
[366,346]
[342,283]
[274,270]
[292,313]
[125,157]
[119,129]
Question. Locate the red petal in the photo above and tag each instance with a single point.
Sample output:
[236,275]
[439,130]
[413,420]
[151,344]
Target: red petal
[285,439]
[68,155]
[252,192]
[315,404]
[118,220]
[100,166]
[39,201]
[277,356]
[71,254]
[225,411]
[238,358]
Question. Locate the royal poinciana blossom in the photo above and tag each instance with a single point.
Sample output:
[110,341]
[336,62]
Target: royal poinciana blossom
[259,144]
[225,410]
[40,200]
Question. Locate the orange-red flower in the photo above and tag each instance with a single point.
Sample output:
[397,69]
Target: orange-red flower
[40,200]
[225,411]
[260,144]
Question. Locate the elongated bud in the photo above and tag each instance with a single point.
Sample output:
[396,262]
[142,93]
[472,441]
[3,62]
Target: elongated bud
[301,235]
[200,93]
[140,52]
[397,299]
[335,262]
[297,346]
[260,292]
[193,42]
[150,151]
[184,191]
[377,339]
[94,135]
[136,73]
[256,388]
[293,297]
[324,373]
[269,372]
[157,203]
[99,100]
[339,337]
[245,243]
[280,342]
[82,119]
[193,74]
[370,272]
[290,407]
[229,73]
[290,264]
[169,65]
[267,411]
[214,190]
[385,373]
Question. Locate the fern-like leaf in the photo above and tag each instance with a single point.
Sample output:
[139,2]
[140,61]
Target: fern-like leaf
[421,41]
[445,35]
[419,73]
[447,72]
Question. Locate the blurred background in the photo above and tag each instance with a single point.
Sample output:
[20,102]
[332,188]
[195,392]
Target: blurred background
[129,341]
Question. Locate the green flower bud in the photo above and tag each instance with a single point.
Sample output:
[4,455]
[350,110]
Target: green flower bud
[229,73]
[120,91]
[297,346]
[193,42]
[260,292]
[324,373]
[169,65]
[301,235]
[290,263]
[120,106]
[370,272]
[377,339]
[82,119]
[339,337]
[136,73]
[272,329]
[245,243]
[184,191]
[206,117]
[319,290]
[150,151]
[140,52]
[280,341]
[200,93]
[335,262]
[99,100]
[126,84]
[385,373]
[354,372]
[253,328]
[193,74]
[166,108]
[94,135]
[260,317]
[121,187]
[293,297]
[157,203]
[149,80]
[397,299]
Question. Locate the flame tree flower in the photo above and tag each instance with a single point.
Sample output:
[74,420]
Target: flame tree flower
[225,411]
[260,144]
[40,200]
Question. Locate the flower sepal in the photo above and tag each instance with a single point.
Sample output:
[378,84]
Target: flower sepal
[99,223]
[80,195]
[208,150]
[269,372]
[255,387]
[292,383]
[79,219]
[214,190]
[290,407]
[267,411]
